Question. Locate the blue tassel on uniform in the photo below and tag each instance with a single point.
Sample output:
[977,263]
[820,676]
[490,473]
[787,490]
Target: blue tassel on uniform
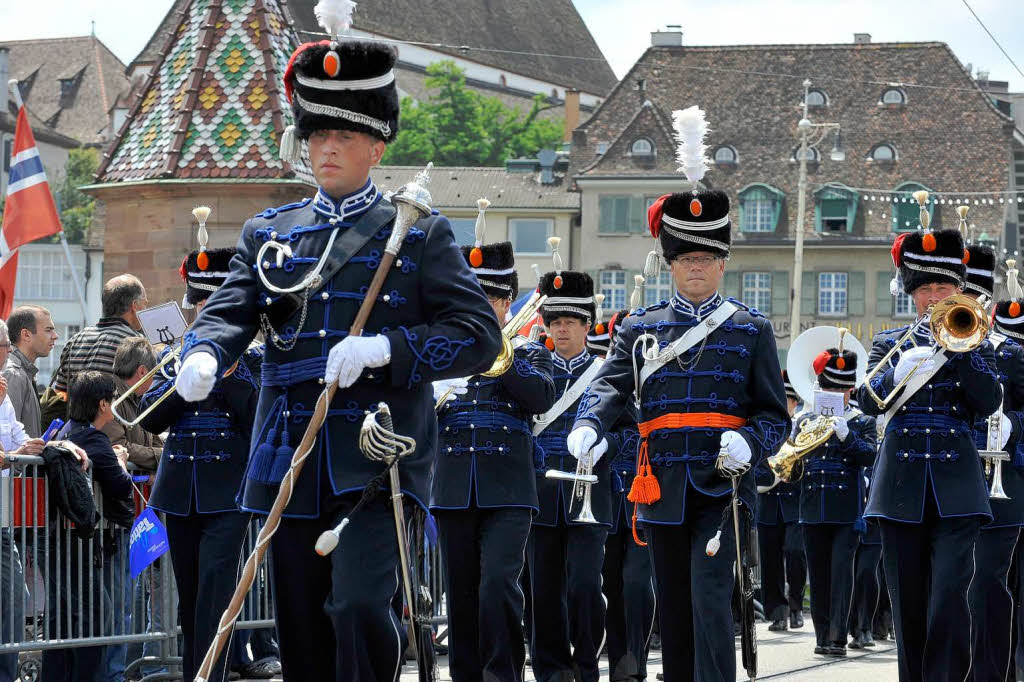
[263,459]
[860,525]
[282,458]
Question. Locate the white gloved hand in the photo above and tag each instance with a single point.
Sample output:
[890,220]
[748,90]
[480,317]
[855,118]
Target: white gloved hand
[598,452]
[910,358]
[737,452]
[1007,431]
[196,376]
[581,440]
[353,354]
[458,386]
[842,429]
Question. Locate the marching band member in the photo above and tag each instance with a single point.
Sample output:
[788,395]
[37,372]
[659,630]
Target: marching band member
[566,553]
[627,579]
[830,502]
[714,388]
[431,321]
[990,597]
[866,590]
[483,492]
[780,539]
[928,491]
[200,471]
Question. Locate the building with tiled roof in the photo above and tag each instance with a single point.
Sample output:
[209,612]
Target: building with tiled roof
[71,84]
[203,130]
[532,46]
[910,116]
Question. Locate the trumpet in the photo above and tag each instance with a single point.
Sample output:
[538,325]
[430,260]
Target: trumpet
[506,355]
[958,324]
[583,481]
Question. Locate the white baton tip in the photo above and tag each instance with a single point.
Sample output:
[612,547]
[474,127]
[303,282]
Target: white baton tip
[326,543]
[714,544]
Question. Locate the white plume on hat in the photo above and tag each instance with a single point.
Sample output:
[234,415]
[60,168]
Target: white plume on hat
[335,16]
[691,128]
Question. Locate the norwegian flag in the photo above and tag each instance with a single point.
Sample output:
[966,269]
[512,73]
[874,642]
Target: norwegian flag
[29,213]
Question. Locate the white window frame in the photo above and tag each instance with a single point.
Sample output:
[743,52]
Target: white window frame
[614,285]
[43,275]
[643,152]
[756,290]
[658,290]
[762,218]
[836,296]
[884,145]
[902,96]
[512,236]
[903,306]
[733,156]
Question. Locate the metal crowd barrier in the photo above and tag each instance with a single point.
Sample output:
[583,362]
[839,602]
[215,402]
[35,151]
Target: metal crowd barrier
[59,592]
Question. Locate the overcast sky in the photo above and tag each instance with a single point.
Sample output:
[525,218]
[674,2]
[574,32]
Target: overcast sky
[622,27]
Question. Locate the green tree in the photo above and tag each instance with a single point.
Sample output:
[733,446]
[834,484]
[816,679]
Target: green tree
[458,126]
[75,206]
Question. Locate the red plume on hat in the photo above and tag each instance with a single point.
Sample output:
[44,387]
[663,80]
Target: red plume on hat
[820,361]
[896,246]
[654,215]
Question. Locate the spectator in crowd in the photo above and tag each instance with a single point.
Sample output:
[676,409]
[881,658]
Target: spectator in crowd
[132,361]
[94,348]
[32,334]
[89,398]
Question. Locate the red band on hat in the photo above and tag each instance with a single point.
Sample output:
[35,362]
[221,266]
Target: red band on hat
[291,66]
[183,270]
[654,215]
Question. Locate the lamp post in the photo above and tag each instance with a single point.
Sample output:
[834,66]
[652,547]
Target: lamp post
[804,129]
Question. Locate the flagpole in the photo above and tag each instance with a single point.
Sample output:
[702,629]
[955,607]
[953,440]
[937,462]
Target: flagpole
[19,103]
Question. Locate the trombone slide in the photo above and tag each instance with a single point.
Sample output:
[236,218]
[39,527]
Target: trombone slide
[573,477]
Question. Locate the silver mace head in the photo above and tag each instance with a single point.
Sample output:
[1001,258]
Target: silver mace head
[377,437]
[413,202]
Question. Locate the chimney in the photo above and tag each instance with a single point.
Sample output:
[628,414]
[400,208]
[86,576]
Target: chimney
[4,90]
[861,38]
[672,36]
[572,112]
[547,158]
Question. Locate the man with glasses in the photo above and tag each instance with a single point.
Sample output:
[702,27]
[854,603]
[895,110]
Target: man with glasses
[710,383]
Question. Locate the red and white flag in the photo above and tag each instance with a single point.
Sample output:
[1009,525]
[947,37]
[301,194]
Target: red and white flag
[29,213]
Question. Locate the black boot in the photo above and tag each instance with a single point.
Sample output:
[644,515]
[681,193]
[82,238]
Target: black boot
[778,625]
[796,620]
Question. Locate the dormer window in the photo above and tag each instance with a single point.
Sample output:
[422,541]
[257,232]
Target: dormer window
[642,147]
[726,156]
[812,155]
[817,99]
[883,153]
[893,97]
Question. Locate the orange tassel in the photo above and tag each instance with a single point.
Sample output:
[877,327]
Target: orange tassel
[636,538]
[645,488]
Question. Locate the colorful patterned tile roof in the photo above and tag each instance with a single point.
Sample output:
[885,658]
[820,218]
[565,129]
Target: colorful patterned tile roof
[214,106]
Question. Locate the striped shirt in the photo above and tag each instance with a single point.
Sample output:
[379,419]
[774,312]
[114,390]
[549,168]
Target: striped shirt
[92,348]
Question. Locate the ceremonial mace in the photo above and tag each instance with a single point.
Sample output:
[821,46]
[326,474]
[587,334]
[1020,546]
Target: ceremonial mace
[412,202]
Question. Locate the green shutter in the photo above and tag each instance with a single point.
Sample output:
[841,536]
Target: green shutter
[855,294]
[637,214]
[883,299]
[605,209]
[732,285]
[780,293]
[743,210]
[809,294]
[776,212]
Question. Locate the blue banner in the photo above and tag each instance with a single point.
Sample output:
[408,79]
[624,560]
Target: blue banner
[148,542]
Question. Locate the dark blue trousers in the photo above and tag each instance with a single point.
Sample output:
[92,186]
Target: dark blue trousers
[484,552]
[568,607]
[830,549]
[865,587]
[783,564]
[629,589]
[991,603]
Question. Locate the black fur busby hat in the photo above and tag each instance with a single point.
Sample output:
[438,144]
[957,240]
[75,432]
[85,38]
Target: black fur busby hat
[493,264]
[1008,315]
[203,271]
[569,293]
[981,270]
[928,256]
[340,84]
[697,220]
[836,370]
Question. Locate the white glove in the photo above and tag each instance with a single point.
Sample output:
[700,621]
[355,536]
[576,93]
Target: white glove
[598,452]
[1007,431]
[458,386]
[737,452]
[581,440]
[842,429]
[353,354]
[910,358]
[196,376]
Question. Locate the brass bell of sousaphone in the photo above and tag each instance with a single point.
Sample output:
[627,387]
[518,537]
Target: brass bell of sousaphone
[799,365]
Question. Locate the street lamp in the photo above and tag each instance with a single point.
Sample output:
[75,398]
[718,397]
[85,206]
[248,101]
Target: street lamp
[804,130]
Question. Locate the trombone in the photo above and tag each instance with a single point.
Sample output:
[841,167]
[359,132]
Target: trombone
[958,324]
[506,355]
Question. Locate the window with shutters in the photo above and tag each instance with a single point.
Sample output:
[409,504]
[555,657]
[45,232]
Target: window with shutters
[760,206]
[835,209]
[906,213]
[658,289]
[832,293]
[622,213]
[529,236]
[757,291]
[613,285]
